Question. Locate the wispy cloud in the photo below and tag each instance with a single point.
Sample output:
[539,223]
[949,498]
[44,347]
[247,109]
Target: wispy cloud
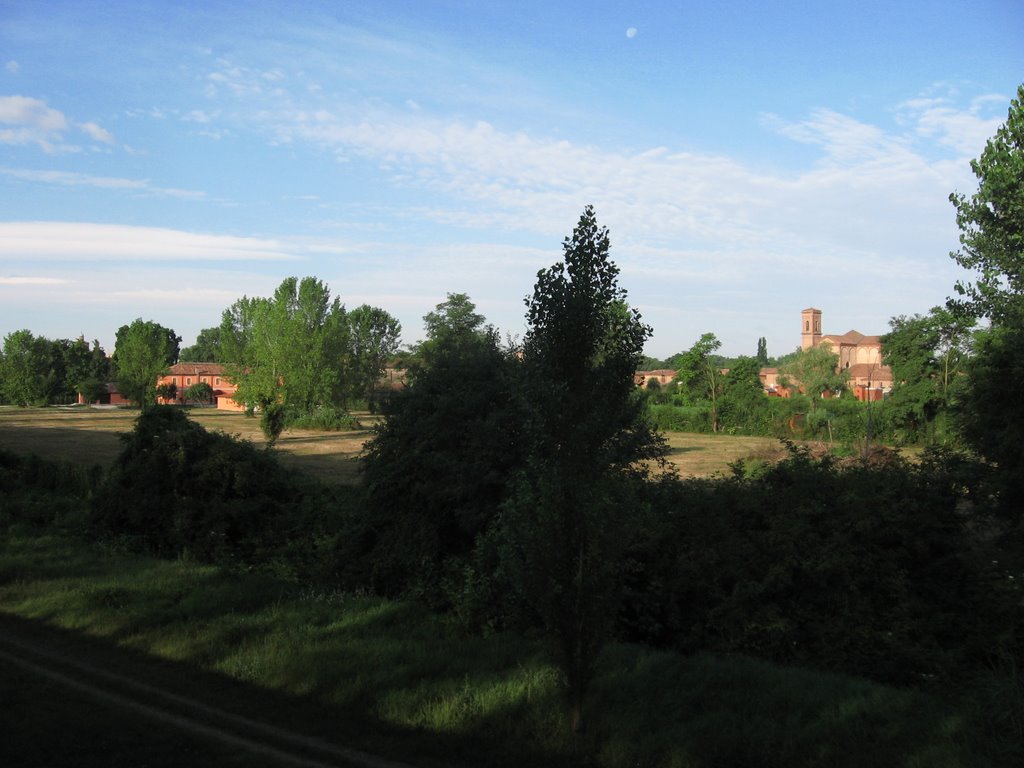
[96,133]
[64,241]
[963,130]
[4,280]
[71,179]
[33,121]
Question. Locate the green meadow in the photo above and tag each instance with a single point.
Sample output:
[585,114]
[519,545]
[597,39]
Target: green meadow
[391,677]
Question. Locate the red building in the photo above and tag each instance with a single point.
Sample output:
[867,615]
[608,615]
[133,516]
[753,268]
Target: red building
[184,375]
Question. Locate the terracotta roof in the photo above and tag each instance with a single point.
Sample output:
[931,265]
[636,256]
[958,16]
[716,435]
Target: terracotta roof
[850,337]
[196,369]
[870,371]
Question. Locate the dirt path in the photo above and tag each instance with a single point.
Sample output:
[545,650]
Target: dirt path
[25,649]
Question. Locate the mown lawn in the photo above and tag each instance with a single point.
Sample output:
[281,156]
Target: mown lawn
[397,678]
[86,435]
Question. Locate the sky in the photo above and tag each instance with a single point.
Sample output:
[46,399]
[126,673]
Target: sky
[750,159]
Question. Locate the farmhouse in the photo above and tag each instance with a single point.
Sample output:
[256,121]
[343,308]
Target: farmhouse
[110,396]
[184,375]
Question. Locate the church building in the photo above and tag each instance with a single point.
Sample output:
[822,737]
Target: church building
[859,355]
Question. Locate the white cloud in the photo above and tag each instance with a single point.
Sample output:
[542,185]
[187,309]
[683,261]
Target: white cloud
[12,67]
[96,133]
[70,179]
[32,280]
[32,121]
[964,131]
[64,241]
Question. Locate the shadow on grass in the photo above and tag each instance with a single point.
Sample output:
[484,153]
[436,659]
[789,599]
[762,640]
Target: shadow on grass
[352,726]
[679,450]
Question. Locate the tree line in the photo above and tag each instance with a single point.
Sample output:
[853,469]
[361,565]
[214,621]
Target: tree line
[929,356]
[293,353]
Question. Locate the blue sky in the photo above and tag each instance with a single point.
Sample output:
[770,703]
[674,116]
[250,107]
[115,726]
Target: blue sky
[161,160]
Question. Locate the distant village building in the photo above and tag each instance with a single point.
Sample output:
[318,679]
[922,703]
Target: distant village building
[859,355]
[662,376]
[110,396]
[184,375]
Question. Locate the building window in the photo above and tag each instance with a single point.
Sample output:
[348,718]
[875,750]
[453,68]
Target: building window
[188,381]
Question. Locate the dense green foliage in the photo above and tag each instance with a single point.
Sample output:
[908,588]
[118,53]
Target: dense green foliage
[991,411]
[875,569]
[928,356]
[991,224]
[288,349]
[798,564]
[142,351]
[373,340]
[700,377]
[200,392]
[300,354]
[179,490]
[584,433]
[207,348]
[992,243]
[37,371]
[440,464]
[815,372]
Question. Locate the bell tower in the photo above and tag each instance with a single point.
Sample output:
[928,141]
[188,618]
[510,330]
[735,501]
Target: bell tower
[810,328]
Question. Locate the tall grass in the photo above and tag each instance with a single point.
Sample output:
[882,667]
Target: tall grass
[396,665]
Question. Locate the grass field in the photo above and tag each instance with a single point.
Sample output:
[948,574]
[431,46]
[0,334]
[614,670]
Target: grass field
[86,435]
[90,436]
[393,678]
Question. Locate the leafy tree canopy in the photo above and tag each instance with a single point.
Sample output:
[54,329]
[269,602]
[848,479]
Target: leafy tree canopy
[814,371]
[26,369]
[700,374]
[288,349]
[991,224]
[207,348]
[373,340]
[142,351]
[453,321]
[928,356]
[584,433]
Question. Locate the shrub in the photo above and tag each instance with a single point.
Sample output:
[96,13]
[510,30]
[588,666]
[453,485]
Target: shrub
[865,568]
[326,418]
[177,489]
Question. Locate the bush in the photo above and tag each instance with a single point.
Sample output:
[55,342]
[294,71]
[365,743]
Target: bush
[676,418]
[326,418]
[868,569]
[177,489]
[45,494]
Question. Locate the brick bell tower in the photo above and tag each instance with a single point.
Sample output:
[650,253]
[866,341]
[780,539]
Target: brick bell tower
[810,328]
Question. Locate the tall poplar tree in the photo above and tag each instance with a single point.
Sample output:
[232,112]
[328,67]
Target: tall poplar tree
[584,434]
